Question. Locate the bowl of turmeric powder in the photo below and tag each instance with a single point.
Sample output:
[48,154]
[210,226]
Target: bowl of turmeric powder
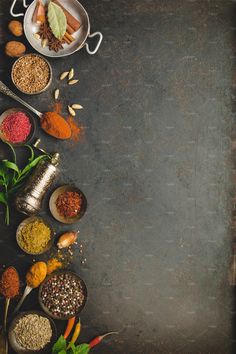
[35,236]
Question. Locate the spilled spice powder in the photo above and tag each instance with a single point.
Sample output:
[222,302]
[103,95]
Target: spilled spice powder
[75,129]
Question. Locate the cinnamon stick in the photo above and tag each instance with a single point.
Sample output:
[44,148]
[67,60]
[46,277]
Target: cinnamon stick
[68,38]
[69,29]
[71,20]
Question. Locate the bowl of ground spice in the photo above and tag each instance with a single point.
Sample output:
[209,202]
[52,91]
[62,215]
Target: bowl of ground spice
[34,235]
[17,126]
[31,74]
[67,204]
[63,295]
[32,332]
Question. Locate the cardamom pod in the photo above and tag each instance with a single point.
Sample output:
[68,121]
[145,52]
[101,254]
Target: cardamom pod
[71,74]
[73,82]
[64,75]
[56,94]
[77,106]
[71,111]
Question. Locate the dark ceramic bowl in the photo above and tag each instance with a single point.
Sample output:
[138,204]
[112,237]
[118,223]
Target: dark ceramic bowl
[32,121]
[84,290]
[17,347]
[27,221]
[53,207]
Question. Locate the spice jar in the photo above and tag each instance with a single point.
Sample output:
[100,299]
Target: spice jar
[29,200]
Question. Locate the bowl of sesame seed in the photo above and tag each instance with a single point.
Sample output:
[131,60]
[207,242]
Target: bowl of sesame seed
[31,74]
[63,295]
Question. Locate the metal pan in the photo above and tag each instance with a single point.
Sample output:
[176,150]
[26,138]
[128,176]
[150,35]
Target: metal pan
[81,36]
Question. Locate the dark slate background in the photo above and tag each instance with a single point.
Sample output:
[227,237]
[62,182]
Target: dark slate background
[154,163]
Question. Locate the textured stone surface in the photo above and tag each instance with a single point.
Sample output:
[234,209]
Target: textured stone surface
[154,166]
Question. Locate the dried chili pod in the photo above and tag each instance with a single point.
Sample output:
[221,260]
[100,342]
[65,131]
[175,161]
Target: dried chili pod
[67,239]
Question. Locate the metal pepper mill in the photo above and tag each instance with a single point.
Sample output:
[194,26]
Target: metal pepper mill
[29,199]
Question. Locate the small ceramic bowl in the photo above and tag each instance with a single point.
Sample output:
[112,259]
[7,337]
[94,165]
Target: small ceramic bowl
[84,290]
[53,207]
[50,74]
[28,221]
[32,121]
[17,347]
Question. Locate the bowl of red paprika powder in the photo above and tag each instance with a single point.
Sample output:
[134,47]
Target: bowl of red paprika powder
[67,204]
[17,126]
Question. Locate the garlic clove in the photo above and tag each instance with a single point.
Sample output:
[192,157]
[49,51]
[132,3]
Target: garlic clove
[67,239]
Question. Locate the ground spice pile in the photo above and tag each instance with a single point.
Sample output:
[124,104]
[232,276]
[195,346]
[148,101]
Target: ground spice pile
[33,332]
[16,127]
[55,125]
[68,204]
[10,283]
[34,237]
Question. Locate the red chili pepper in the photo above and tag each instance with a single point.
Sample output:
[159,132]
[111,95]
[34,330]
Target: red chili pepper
[70,325]
[97,340]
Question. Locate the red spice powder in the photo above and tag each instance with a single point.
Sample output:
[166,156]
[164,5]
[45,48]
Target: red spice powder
[68,204]
[16,127]
[10,283]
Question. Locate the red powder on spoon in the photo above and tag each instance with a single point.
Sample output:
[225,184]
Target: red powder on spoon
[16,127]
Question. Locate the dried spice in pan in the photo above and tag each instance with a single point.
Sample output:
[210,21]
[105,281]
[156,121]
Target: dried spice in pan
[16,127]
[68,204]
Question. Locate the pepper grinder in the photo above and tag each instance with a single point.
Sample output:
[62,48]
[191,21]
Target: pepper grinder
[29,199]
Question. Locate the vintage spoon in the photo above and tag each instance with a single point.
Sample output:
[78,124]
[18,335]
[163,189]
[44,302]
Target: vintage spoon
[6,91]
[27,290]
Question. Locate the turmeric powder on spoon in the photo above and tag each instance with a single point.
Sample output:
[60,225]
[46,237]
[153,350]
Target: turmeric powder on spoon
[55,125]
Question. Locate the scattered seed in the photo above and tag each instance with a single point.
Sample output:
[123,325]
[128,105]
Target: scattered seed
[56,94]
[77,106]
[37,36]
[71,74]
[73,82]
[64,75]
[71,111]
[44,42]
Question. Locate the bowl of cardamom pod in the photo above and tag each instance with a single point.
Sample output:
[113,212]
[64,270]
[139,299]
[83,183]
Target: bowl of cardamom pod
[35,235]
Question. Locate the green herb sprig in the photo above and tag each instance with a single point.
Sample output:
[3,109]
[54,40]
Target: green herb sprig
[12,177]
[62,347]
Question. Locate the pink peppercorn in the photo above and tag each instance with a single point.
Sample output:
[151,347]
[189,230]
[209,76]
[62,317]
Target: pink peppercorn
[16,127]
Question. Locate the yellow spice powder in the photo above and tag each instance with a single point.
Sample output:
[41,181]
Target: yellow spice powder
[34,236]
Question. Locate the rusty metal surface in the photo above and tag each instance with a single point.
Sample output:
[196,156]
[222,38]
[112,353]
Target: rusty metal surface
[154,165]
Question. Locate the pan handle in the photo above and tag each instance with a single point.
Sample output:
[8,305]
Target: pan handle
[12,8]
[98,44]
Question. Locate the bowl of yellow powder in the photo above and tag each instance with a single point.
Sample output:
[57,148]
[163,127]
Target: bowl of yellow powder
[34,235]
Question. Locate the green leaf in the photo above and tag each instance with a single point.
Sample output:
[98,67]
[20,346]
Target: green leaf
[57,20]
[62,352]
[31,151]
[11,165]
[59,346]
[82,349]
[3,198]
[32,164]
[12,150]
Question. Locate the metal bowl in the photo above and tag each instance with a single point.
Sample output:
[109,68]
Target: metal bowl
[32,121]
[49,81]
[84,289]
[17,347]
[27,221]
[81,36]
[53,208]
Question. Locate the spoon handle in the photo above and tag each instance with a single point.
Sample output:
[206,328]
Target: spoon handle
[6,91]
[28,289]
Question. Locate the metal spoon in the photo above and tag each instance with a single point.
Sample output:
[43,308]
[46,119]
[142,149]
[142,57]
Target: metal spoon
[28,289]
[6,91]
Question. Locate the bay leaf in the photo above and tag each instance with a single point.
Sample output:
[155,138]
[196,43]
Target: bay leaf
[57,20]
